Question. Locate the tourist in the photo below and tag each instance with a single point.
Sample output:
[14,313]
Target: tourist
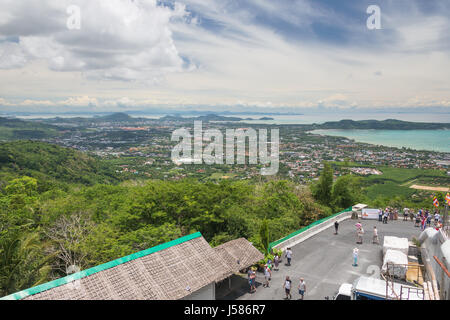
[429,220]
[437,216]
[411,214]
[276,261]
[302,288]
[355,257]
[405,214]
[385,217]
[417,223]
[336,227]
[380,215]
[359,234]
[288,256]
[267,276]
[375,236]
[249,275]
[252,279]
[287,287]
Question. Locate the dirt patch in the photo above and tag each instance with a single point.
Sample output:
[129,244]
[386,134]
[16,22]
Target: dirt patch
[442,189]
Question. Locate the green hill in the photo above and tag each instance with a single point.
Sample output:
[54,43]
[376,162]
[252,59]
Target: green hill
[16,129]
[48,161]
[389,124]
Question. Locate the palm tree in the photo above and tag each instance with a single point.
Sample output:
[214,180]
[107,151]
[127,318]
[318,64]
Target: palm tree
[19,267]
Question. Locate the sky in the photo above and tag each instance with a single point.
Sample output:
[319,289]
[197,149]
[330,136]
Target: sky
[121,55]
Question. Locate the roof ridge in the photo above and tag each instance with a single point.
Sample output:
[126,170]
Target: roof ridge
[108,265]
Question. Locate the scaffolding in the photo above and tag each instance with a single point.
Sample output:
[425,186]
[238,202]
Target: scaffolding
[411,290]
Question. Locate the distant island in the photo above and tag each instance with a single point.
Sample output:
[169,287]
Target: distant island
[209,117]
[206,118]
[389,124]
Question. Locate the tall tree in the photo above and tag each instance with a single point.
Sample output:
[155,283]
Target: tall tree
[264,235]
[345,192]
[322,190]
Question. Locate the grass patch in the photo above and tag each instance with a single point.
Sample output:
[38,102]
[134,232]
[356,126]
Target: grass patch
[387,189]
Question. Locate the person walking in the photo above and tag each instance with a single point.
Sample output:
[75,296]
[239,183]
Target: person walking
[405,214]
[422,223]
[336,227]
[355,257]
[375,236]
[276,261]
[252,280]
[287,287]
[359,234]
[302,288]
[411,214]
[385,217]
[267,276]
[288,256]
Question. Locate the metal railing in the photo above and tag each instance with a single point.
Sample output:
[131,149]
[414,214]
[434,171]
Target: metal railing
[391,275]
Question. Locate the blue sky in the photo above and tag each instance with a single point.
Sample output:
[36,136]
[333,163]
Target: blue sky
[143,54]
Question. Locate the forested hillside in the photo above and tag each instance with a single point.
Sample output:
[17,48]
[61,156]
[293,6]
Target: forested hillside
[50,162]
[14,129]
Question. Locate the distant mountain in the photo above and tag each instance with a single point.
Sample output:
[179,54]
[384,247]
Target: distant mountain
[209,117]
[389,124]
[120,116]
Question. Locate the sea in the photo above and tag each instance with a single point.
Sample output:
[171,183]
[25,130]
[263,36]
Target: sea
[430,140]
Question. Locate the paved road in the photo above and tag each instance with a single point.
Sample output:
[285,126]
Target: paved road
[325,260]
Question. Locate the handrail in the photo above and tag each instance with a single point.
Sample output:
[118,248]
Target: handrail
[442,266]
[295,233]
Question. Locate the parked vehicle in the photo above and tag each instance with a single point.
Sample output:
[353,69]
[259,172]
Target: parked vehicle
[367,288]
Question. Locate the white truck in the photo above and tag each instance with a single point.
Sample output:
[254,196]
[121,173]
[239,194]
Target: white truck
[369,288]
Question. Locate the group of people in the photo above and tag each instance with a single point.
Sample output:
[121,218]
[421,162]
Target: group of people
[387,214]
[271,266]
[423,219]
[288,285]
[360,233]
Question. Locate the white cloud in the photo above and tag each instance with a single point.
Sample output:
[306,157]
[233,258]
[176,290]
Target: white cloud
[118,39]
[232,57]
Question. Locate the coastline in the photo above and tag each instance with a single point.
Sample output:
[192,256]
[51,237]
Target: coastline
[417,140]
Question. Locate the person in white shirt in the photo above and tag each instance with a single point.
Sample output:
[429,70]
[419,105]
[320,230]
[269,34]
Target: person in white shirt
[302,288]
[287,287]
[405,214]
[375,235]
[288,256]
[267,275]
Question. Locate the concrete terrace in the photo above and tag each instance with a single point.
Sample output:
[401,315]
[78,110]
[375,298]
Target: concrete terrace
[325,260]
